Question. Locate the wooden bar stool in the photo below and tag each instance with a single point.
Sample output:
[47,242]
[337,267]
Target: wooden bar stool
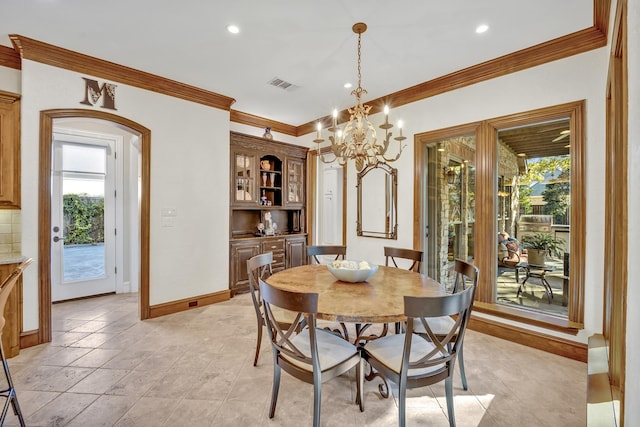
[9,393]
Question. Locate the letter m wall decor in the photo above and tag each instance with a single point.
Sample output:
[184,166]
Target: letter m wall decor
[93,92]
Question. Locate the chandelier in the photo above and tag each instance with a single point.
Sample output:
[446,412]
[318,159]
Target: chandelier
[358,140]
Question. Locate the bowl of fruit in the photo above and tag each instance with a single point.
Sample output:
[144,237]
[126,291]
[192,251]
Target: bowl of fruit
[352,271]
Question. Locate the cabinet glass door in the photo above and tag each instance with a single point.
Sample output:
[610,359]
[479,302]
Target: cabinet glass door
[295,182]
[244,176]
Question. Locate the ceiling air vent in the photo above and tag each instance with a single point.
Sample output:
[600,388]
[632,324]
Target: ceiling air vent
[277,82]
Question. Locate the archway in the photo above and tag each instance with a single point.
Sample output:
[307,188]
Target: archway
[44,215]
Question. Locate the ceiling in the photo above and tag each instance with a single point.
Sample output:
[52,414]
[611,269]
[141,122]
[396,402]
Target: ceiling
[308,44]
[538,140]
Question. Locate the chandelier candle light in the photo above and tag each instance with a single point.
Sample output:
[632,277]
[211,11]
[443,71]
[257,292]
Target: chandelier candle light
[358,140]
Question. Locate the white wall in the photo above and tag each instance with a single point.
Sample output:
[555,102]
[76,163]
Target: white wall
[189,172]
[9,80]
[572,79]
[632,365]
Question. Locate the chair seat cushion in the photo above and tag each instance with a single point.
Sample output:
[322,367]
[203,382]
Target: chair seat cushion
[332,350]
[388,351]
[439,325]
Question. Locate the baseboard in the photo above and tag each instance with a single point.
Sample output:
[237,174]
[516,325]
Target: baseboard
[562,347]
[188,303]
[29,339]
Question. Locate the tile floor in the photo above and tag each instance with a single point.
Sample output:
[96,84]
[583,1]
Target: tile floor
[106,368]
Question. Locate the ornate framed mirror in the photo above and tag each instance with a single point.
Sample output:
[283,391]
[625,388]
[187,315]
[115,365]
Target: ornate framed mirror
[378,202]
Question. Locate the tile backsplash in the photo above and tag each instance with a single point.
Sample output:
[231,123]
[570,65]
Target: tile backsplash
[10,231]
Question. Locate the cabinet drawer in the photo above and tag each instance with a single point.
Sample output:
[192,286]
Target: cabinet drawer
[278,259]
[273,245]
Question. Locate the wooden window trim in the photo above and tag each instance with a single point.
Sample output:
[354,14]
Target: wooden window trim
[486,206]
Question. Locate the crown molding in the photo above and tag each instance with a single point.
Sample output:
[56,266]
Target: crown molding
[8,97]
[45,53]
[261,122]
[9,58]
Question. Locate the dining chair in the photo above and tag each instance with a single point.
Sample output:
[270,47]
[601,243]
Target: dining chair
[413,360]
[258,266]
[394,254]
[313,355]
[340,252]
[466,276]
[9,393]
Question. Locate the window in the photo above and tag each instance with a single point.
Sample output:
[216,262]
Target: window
[501,200]
[534,193]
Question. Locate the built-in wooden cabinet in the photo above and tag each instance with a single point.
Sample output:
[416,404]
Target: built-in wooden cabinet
[240,252]
[268,181]
[296,251]
[276,246]
[9,150]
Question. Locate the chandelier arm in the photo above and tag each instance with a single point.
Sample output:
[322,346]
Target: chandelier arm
[397,155]
[323,160]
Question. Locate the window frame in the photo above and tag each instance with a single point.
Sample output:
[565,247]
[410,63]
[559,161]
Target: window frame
[487,208]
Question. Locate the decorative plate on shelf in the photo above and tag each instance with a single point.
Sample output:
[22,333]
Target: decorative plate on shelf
[352,271]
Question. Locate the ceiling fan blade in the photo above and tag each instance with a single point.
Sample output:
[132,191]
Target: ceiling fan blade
[561,137]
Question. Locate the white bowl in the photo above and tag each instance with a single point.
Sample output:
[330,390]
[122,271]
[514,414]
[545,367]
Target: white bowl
[352,275]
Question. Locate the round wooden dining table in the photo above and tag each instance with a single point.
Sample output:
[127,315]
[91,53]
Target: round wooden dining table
[378,300]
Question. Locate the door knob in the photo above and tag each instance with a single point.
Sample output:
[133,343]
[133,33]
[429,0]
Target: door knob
[57,239]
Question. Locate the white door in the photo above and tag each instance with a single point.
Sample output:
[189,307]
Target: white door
[83,232]
[330,223]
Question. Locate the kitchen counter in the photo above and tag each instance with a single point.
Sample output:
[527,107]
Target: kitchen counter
[11,258]
[264,236]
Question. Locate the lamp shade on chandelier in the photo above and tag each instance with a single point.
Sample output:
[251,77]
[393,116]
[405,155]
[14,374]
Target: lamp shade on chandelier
[358,139]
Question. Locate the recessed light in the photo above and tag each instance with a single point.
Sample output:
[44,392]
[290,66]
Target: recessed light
[482,28]
[233,29]
[348,85]
[441,149]
[522,154]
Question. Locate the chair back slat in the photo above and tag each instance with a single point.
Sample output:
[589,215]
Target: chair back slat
[313,252]
[393,254]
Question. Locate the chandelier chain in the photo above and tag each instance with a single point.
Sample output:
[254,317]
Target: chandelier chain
[359,66]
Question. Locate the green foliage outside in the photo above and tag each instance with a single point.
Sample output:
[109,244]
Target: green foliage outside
[556,193]
[536,170]
[83,219]
[544,241]
[557,198]
[524,199]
